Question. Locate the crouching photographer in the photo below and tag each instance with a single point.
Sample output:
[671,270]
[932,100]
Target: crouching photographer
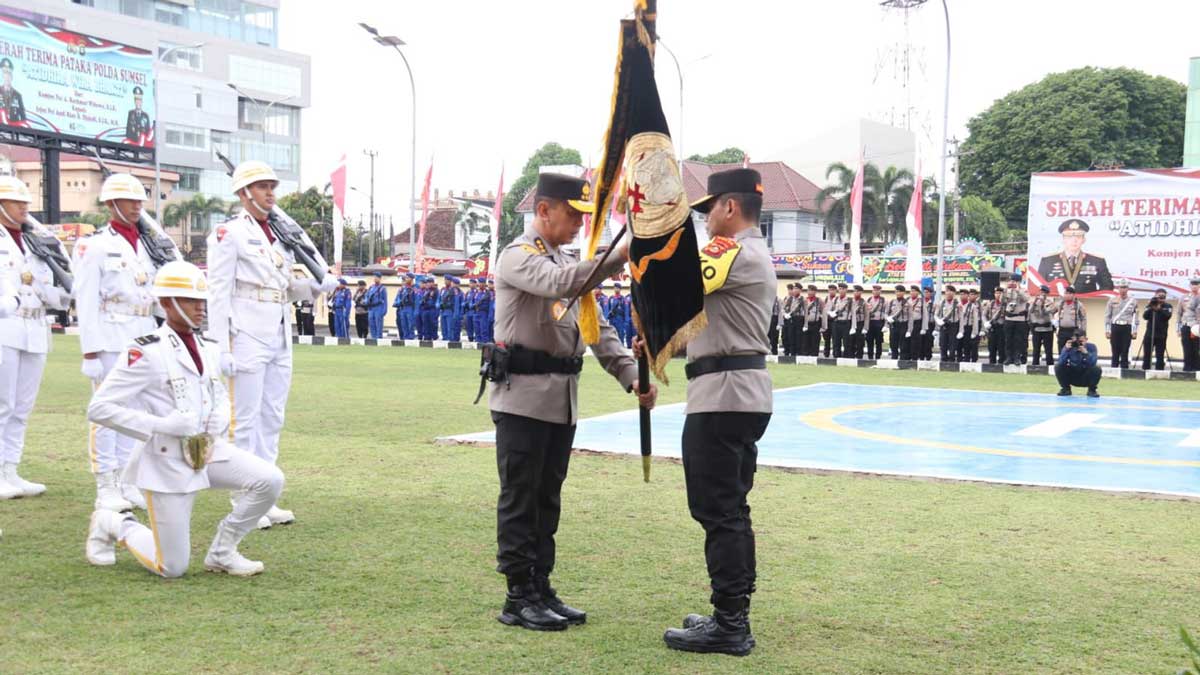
[1077,366]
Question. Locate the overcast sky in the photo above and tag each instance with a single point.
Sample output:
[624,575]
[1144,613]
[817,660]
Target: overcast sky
[496,80]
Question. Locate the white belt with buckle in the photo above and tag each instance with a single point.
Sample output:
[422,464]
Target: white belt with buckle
[1122,323]
[31,313]
[125,308]
[260,294]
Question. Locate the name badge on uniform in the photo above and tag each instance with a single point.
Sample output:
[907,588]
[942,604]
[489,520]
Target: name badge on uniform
[256,242]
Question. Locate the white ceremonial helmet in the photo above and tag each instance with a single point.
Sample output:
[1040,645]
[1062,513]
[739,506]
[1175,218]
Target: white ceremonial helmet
[13,189]
[122,186]
[250,172]
[180,279]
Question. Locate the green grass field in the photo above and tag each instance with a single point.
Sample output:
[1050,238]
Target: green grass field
[390,566]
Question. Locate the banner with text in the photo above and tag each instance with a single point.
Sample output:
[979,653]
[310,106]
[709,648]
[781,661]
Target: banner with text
[1087,229]
[60,82]
[888,271]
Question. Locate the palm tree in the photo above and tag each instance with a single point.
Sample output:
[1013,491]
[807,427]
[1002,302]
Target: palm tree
[890,193]
[192,214]
[470,223]
[833,201]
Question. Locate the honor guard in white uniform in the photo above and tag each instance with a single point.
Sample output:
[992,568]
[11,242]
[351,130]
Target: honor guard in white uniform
[166,391]
[27,290]
[250,271]
[113,271]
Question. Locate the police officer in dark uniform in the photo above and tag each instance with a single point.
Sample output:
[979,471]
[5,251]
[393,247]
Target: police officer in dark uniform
[1087,272]
[534,404]
[12,106]
[729,405]
[137,122]
[1158,318]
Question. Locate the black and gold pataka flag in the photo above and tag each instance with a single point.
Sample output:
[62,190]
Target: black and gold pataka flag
[668,291]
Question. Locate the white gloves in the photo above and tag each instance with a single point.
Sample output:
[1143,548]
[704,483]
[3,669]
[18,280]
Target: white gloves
[93,370]
[940,322]
[177,423]
[958,337]
[327,285]
[228,366]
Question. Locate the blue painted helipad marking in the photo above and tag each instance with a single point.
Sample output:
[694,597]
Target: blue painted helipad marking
[1110,443]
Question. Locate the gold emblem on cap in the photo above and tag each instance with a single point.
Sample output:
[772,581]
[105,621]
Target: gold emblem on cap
[1073,226]
[586,192]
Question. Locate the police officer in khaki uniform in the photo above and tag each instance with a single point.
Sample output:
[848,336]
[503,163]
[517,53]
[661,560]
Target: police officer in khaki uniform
[729,404]
[897,318]
[993,325]
[876,307]
[813,323]
[1189,327]
[920,324]
[858,322]
[1069,316]
[839,313]
[535,406]
[1121,324]
[1041,317]
[1016,322]
[948,316]
[828,330]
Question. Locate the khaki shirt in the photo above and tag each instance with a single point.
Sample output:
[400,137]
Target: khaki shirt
[897,310]
[1016,305]
[814,314]
[1189,308]
[993,312]
[1071,314]
[792,305]
[875,308]
[1041,310]
[949,310]
[1120,312]
[738,309]
[531,279]
[972,318]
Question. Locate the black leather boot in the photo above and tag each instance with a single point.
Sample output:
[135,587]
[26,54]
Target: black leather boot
[726,632]
[523,607]
[550,597]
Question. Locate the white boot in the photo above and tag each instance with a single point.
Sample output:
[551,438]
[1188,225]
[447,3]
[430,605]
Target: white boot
[8,491]
[133,495]
[223,555]
[108,493]
[27,489]
[280,516]
[103,534]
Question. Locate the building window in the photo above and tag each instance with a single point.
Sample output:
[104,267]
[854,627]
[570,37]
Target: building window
[280,120]
[181,56]
[190,138]
[168,13]
[266,76]
[280,156]
[766,223]
[189,178]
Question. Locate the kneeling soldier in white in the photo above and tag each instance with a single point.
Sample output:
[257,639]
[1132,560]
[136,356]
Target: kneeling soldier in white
[173,375]
[26,290]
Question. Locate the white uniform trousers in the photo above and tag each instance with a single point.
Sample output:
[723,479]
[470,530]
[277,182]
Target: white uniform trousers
[107,449]
[165,546]
[20,377]
[259,390]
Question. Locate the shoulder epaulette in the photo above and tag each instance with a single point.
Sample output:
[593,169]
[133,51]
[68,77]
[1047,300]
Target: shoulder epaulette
[147,339]
[208,339]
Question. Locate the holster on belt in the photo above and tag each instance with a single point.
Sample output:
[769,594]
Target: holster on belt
[493,367]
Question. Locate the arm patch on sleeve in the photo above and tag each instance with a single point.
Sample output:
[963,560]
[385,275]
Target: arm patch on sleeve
[716,258]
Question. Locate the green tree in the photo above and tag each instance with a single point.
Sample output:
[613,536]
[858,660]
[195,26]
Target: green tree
[550,154]
[308,207]
[192,216]
[890,192]
[980,219]
[731,155]
[470,222]
[1082,118]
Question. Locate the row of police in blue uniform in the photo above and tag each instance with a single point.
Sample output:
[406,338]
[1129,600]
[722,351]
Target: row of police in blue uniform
[618,309]
[421,308]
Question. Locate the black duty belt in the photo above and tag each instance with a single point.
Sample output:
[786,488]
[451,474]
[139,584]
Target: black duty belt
[524,361]
[720,364]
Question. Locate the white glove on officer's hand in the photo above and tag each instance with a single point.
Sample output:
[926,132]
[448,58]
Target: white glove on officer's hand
[178,423]
[328,284]
[228,366]
[959,336]
[93,370]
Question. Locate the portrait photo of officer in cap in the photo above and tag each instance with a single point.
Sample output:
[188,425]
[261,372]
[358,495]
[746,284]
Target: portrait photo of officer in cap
[12,106]
[137,122]
[1086,272]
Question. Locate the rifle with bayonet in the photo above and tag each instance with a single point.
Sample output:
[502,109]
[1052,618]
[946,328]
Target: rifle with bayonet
[48,249]
[288,232]
[158,246]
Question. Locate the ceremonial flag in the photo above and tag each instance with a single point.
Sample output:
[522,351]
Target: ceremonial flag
[418,263]
[337,180]
[856,200]
[497,217]
[913,272]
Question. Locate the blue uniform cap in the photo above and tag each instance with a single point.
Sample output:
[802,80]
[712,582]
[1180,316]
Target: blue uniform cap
[377,275]
[409,275]
[342,280]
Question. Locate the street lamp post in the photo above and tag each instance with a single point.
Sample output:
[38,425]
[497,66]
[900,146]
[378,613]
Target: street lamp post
[157,94]
[266,108]
[941,261]
[679,71]
[395,43]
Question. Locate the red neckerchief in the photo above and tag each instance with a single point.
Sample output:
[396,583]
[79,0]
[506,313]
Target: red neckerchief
[189,341]
[266,228]
[129,232]
[16,235]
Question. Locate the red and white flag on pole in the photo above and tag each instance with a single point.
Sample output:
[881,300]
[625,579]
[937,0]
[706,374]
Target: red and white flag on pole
[337,180]
[856,200]
[418,264]
[497,218]
[913,272]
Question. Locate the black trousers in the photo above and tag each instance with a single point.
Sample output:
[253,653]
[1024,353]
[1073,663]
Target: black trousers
[811,339]
[875,339]
[857,341]
[968,346]
[720,457]
[996,343]
[897,343]
[948,341]
[927,345]
[841,338]
[786,336]
[1160,349]
[1016,341]
[827,339]
[1120,341]
[1080,377]
[1043,339]
[1065,333]
[916,345]
[773,335]
[532,458]
[1191,349]
[361,325]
